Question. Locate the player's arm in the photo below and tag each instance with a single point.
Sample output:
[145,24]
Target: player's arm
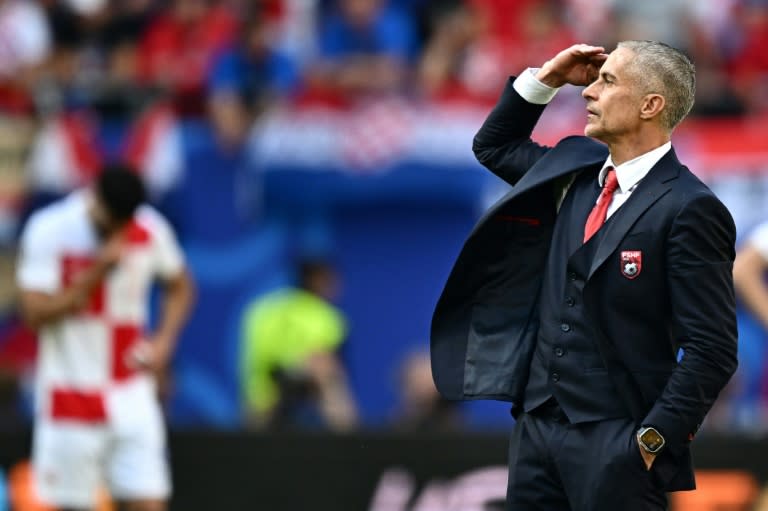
[41,307]
[177,298]
[748,274]
[334,396]
[700,254]
[503,144]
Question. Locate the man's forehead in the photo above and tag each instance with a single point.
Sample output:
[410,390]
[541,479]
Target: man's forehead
[616,60]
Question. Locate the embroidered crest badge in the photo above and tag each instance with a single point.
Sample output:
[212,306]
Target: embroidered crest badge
[631,263]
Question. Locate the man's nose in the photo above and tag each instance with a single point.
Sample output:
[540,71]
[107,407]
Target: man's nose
[589,91]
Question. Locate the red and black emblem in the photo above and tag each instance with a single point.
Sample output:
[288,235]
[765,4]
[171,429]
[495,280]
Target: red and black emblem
[631,263]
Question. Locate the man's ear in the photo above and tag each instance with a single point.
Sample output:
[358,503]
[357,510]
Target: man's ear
[652,106]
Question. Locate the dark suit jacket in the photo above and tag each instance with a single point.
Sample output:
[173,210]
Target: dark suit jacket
[485,324]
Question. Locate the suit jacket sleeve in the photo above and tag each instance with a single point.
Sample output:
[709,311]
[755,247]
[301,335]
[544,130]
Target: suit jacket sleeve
[700,253]
[504,144]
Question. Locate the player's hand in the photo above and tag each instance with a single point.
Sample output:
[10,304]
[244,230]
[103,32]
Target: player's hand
[578,65]
[147,356]
[111,251]
[78,298]
[79,293]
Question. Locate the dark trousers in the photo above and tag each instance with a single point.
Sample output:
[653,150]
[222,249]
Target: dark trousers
[594,466]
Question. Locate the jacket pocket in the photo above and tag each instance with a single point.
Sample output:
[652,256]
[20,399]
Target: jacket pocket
[499,350]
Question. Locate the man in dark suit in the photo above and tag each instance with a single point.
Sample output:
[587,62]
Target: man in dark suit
[597,295]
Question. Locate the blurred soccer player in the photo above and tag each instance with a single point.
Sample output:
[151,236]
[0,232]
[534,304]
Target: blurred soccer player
[749,273]
[85,270]
[292,374]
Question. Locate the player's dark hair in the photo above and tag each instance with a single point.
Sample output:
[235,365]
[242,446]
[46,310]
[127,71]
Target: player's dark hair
[309,268]
[121,190]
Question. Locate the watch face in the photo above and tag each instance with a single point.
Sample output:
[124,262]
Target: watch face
[652,439]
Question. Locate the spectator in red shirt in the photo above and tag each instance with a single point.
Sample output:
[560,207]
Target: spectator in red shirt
[177,50]
[749,64]
[474,43]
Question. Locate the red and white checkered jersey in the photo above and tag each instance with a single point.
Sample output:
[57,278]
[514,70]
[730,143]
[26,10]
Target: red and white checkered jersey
[83,357]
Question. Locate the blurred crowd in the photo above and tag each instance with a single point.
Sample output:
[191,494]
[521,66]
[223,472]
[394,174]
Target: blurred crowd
[83,82]
[231,59]
[76,72]
[86,80]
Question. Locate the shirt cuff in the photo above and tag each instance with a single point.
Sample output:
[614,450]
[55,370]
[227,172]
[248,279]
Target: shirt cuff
[532,90]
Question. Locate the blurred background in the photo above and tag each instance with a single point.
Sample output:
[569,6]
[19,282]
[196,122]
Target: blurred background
[322,149]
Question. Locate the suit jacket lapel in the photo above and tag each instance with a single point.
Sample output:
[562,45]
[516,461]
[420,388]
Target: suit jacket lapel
[654,186]
[570,156]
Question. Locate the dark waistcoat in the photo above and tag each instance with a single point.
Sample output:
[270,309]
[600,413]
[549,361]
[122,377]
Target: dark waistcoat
[567,364]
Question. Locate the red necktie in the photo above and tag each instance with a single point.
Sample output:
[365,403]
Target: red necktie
[597,217]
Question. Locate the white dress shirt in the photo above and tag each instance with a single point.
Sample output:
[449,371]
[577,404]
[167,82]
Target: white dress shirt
[629,173]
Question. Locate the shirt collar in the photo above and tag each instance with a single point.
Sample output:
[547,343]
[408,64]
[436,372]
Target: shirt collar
[631,172]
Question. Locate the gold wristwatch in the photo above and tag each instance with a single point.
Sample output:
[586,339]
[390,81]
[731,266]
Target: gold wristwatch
[650,439]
